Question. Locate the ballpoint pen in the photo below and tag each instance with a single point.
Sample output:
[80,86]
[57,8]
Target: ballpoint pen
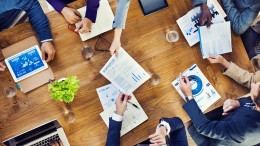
[133,104]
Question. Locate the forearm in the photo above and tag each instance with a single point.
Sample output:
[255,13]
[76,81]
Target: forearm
[121,14]
[240,21]
[91,13]
[242,76]
[117,34]
[113,136]
[58,5]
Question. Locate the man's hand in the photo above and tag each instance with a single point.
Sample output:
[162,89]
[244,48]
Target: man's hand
[229,105]
[121,103]
[158,138]
[71,15]
[116,44]
[84,26]
[205,17]
[48,51]
[219,59]
[185,86]
[2,66]
[56,143]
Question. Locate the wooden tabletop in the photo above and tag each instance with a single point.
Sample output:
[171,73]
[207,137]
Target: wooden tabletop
[144,39]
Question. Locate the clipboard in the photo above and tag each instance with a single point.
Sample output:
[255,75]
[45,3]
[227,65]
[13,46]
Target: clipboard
[33,81]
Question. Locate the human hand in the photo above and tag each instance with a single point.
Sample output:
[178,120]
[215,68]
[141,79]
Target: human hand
[56,143]
[84,26]
[229,105]
[116,44]
[205,16]
[2,66]
[47,48]
[71,15]
[121,103]
[185,86]
[218,59]
[158,138]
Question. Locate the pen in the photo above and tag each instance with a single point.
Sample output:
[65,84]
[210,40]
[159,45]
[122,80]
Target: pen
[133,104]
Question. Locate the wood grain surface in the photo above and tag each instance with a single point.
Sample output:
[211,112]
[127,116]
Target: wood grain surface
[144,39]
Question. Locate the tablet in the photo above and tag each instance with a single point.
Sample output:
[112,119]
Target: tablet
[151,6]
[26,63]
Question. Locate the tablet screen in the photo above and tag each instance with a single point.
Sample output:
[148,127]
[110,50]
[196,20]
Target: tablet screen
[26,63]
[150,6]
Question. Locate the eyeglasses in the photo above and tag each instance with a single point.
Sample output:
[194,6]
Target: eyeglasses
[99,40]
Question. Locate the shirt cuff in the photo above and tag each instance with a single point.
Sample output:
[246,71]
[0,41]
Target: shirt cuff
[166,125]
[117,117]
[48,40]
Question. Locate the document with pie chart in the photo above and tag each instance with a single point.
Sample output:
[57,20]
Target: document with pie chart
[203,92]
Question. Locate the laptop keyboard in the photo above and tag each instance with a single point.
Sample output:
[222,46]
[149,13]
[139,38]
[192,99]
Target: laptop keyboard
[47,142]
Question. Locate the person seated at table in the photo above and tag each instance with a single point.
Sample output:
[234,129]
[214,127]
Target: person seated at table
[245,20]
[170,131]
[240,124]
[238,74]
[13,12]
[73,16]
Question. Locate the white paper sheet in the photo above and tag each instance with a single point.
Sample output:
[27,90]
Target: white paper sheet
[104,20]
[189,23]
[216,39]
[132,117]
[108,95]
[124,72]
[207,96]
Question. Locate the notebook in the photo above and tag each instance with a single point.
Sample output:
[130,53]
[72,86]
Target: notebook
[203,92]
[189,23]
[132,117]
[216,39]
[104,20]
[124,72]
[36,80]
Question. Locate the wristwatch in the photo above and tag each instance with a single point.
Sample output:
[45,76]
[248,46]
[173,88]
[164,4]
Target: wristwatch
[188,98]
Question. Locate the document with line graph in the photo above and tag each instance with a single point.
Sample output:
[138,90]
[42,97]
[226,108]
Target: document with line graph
[124,72]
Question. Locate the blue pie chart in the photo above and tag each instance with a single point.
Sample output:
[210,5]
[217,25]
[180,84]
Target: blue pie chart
[196,83]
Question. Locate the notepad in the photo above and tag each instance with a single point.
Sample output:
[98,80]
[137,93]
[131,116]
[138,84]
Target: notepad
[124,72]
[108,95]
[104,20]
[203,92]
[189,23]
[215,40]
[131,119]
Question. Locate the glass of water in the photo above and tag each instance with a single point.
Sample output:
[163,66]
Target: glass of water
[10,92]
[68,114]
[87,52]
[172,36]
[154,80]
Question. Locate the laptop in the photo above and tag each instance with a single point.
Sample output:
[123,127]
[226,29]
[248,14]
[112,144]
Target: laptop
[40,136]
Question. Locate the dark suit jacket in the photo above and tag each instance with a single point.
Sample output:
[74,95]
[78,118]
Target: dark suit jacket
[241,127]
[113,135]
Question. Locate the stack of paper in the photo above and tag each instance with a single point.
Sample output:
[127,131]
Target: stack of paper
[216,40]
[189,23]
[132,117]
[104,20]
[203,92]
[124,72]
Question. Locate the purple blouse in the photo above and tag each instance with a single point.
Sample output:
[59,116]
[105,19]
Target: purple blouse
[92,6]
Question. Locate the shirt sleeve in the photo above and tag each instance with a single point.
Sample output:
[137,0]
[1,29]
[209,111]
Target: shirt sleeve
[242,76]
[121,13]
[117,117]
[58,5]
[198,2]
[91,12]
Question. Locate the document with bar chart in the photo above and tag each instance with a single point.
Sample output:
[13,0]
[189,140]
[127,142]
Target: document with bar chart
[124,72]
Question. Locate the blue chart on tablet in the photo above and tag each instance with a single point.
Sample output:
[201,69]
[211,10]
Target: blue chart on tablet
[26,63]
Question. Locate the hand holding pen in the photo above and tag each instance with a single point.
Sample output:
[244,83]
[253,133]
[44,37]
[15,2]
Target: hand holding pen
[121,103]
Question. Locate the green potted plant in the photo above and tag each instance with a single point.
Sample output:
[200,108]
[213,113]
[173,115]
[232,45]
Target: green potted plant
[64,90]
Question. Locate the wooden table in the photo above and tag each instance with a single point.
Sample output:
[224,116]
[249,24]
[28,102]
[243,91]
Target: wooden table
[144,39]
